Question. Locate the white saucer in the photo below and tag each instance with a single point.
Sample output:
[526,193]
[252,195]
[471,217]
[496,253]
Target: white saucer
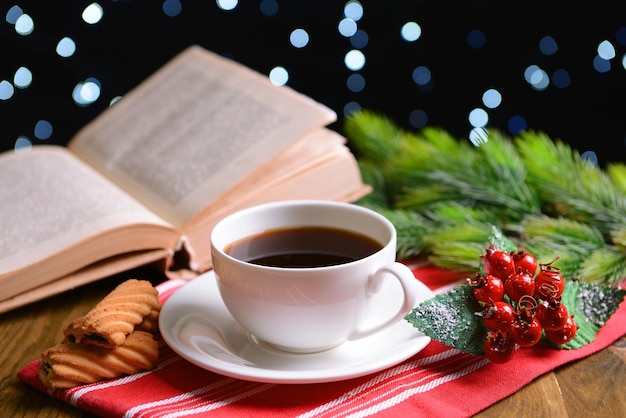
[195,323]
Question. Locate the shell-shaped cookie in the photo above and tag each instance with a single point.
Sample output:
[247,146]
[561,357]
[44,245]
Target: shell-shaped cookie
[67,365]
[109,322]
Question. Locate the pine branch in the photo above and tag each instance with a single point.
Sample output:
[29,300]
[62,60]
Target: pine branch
[373,137]
[604,266]
[506,167]
[617,173]
[569,186]
[618,238]
[490,175]
[458,236]
[445,196]
[411,229]
[457,248]
[569,240]
[374,176]
[377,142]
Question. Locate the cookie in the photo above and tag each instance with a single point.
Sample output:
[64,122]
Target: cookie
[71,364]
[109,322]
[150,322]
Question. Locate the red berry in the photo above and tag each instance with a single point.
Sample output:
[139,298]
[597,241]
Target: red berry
[498,347]
[497,263]
[565,334]
[526,329]
[549,282]
[487,288]
[552,314]
[526,261]
[498,316]
[519,284]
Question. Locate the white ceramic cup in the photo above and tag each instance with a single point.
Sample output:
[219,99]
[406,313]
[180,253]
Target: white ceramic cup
[310,309]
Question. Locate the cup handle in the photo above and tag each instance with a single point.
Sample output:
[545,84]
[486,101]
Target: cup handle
[413,291]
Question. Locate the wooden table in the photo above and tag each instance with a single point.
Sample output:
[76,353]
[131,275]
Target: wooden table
[592,387]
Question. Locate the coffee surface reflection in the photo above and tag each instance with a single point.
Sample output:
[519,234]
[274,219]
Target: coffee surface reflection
[303,247]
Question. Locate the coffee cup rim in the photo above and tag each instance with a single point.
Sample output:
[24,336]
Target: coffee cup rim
[310,203]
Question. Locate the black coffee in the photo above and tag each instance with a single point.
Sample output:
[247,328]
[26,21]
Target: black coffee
[303,247]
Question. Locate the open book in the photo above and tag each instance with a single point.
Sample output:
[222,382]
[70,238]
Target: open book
[148,178]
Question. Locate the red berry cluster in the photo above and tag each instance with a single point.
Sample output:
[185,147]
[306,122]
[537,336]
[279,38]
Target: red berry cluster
[519,304]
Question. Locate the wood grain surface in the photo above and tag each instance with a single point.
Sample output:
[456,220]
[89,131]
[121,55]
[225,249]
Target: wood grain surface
[592,387]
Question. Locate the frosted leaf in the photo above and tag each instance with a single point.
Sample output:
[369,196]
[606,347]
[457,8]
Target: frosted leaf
[452,319]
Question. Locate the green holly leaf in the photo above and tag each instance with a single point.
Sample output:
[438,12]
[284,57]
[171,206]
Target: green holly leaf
[453,318]
[592,306]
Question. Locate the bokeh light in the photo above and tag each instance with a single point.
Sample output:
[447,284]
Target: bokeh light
[357,54]
[269,7]
[517,124]
[478,118]
[43,129]
[347,27]
[24,25]
[93,13]
[548,46]
[478,136]
[411,31]
[172,8]
[476,39]
[87,92]
[279,76]
[356,83]
[354,60]
[227,4]
[360,39]
[606,50]
[421,76]
[6,90]
[22,143]
[492,98]
[66,47]
[418,118]
[561,78]
[353,10]
[23,78]
[299,38]
[536,77]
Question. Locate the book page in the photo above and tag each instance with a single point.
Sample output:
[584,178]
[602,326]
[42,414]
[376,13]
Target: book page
[51,201]
[201,119]
[315,148]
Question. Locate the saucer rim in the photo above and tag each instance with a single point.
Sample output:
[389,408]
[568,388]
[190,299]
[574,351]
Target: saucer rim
[268,375]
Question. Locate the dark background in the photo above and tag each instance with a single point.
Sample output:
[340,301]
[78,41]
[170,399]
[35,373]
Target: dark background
[134,38]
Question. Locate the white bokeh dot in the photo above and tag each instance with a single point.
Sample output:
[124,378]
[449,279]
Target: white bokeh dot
[227,4]
[478,118]
[92,14]
[23,78]
[87,92]
[299,38]
[354,60]
[24,25]
[66,47]
[492,98]
[6,90]
[353,10]
[411,31]
[279,76]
